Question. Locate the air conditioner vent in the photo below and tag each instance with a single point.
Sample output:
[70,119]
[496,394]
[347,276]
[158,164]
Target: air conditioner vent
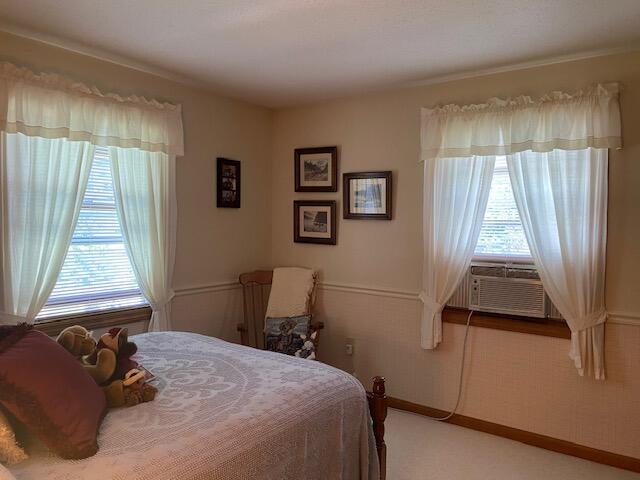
[488,271]
[527,273]
[507,295]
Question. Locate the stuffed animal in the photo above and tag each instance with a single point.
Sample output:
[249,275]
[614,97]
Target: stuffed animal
[136,389]
[78,341]
[108,362]
[117,341]
[308,349]
[130,391]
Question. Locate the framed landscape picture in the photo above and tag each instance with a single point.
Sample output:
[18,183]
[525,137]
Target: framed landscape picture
[367,195]
[314,221]
[228,183]
[316,169]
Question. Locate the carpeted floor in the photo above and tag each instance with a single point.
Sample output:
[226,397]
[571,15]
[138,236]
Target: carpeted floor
[423,449]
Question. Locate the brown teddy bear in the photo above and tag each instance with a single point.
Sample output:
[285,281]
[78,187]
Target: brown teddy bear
[132,390]
[78,341]
[110,365]
[117,341]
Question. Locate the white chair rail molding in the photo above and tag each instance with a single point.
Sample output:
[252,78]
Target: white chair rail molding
[53,129]
[556,150]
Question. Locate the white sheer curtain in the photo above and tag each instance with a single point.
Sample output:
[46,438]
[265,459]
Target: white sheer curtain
[50,126]
[144,185]
[562,200]
[456,191]
[43,183]
[556,149]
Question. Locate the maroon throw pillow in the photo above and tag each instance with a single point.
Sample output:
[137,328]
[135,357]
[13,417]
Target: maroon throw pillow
[46,388]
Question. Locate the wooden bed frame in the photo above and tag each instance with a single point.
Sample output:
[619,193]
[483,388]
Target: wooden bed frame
[255,292]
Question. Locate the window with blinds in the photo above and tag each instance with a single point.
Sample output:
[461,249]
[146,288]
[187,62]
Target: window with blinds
[96,274]
[502,236]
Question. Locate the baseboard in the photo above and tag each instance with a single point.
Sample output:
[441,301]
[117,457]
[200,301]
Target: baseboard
[530,438]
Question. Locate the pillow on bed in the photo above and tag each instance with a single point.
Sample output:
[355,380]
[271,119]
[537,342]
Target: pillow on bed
[47,390]
[282,334]
[10,451]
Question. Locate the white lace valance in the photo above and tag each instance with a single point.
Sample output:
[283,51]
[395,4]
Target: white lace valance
[589,118]
[51,106]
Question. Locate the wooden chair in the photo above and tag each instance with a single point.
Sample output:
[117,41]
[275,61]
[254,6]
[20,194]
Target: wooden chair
[256,287]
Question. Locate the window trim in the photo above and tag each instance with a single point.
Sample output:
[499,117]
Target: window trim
[510,323]
[93,320]
[506,259]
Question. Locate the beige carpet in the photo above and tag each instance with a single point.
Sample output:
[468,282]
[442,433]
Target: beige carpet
[420,448]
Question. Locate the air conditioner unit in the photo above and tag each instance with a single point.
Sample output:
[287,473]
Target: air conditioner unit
[512,289]
[503,288]
[508,289]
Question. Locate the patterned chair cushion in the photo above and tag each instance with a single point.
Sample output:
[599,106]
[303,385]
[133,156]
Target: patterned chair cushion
[283,334]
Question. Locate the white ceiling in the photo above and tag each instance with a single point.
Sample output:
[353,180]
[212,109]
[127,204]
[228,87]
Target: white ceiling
[287,52]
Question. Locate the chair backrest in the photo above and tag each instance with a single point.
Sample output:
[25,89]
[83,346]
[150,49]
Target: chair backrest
[256,287]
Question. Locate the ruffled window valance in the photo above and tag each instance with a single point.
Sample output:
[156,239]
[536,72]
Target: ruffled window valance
[51,106]
[589,118]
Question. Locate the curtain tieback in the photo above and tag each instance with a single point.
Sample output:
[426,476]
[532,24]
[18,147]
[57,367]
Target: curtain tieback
[430,303]
[591,320]
[158,304]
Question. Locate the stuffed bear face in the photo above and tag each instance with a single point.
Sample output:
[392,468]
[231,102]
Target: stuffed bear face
[84,345]
[118,340]
[77,340]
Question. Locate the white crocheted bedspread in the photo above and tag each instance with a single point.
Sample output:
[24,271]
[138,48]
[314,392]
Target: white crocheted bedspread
[228,412]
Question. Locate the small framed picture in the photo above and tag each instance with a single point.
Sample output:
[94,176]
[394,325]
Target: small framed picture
[314,221]
[316,169]
[228,183]
[367,195]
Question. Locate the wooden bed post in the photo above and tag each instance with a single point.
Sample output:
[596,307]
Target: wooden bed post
[378,408]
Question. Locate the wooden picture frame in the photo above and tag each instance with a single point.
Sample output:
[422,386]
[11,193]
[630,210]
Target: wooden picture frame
[314,221]
[367,195]
[228,183]
[316,169]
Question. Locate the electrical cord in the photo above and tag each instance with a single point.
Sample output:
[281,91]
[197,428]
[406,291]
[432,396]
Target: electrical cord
[464,354]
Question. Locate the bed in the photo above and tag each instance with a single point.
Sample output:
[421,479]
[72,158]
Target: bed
[226,411]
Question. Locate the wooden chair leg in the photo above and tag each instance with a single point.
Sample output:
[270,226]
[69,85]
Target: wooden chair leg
[378,409]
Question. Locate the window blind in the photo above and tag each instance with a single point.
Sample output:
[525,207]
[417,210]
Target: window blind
[97,273]
[502,236]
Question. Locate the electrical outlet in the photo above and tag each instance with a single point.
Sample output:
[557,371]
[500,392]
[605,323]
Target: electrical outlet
[348,349]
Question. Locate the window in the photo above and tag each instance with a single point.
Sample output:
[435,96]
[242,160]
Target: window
[96,274]
[502,236]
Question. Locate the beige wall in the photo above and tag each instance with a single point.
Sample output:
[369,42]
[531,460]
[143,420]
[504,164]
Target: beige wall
[373,273]
[213,245]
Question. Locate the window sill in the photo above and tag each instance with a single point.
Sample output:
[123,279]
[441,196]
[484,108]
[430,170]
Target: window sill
[534,326]
[104,319]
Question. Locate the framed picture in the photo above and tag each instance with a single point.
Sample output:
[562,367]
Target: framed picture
[367,195]
[316,169]
[228,183]
[314,221]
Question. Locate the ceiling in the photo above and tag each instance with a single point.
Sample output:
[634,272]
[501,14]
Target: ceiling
[287,52]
